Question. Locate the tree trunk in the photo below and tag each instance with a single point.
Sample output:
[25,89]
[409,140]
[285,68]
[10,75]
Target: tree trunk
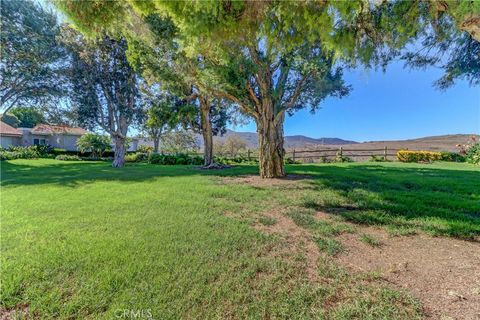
[206,131]
[119,155]
[270,143]
[472,25]
[156,143]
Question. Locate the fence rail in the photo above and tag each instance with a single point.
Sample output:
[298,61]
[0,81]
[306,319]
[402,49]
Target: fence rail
[296,155]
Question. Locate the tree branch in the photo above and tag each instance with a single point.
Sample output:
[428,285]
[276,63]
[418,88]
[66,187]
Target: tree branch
[298,90]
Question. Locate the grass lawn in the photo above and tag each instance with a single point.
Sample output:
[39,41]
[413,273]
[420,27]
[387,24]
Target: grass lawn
[84,240]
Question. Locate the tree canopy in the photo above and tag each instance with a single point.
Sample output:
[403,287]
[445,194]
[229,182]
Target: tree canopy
[31,60]
[28,117]
[272,58]
[104,86]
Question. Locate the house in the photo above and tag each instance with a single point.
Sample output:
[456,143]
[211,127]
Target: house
[61,136]
[9,136]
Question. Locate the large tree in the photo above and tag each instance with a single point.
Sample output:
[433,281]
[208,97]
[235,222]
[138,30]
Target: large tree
[238,61]
[207,116]
[275,57]
[160,59]
[262,70]
[31,60]
[104,89]
[28,117]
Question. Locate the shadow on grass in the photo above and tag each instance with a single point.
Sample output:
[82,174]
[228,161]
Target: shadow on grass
[439,201]
[32,172]
[405,198]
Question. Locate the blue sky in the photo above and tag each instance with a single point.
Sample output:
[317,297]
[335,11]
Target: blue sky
[398,104]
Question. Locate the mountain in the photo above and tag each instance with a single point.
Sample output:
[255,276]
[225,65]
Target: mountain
[291,142]
[446,142]
[299,142]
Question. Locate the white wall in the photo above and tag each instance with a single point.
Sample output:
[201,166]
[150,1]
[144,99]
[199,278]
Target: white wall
[7,141]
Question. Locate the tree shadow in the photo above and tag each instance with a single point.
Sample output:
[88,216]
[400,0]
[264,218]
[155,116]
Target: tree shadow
[31,172]
[440,201]
[436,200]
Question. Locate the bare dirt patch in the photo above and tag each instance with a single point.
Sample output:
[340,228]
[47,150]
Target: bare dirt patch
[255,180]
[19,312]
[443,273]
[297,239]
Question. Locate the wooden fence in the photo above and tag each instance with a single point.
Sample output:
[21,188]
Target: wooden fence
[329,153]
[384,152]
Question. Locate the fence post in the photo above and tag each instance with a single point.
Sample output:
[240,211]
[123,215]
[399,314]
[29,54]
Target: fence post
[385,154]
[248,152]
[341,152]
[293,158]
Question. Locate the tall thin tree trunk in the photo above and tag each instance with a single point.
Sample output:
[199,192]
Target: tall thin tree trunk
[119,155]
[207,132]
[270,143]
[156,143]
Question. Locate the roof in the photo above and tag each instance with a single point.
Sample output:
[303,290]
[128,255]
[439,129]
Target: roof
[7,130]
[62,129]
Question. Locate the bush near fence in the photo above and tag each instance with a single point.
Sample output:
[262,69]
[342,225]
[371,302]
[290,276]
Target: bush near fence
[418,156]
[177,159]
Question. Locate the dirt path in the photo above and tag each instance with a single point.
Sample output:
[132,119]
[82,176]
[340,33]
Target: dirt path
[443,273]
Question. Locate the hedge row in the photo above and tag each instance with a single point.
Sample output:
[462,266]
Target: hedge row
[428,156]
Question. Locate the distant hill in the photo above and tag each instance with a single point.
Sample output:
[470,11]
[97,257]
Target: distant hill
[291,142]
[299,142]
[434,143]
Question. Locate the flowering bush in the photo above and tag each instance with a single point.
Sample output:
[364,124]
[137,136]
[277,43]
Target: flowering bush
[144,149]
[473,154]
[471,150]
[136,157]
[418,156]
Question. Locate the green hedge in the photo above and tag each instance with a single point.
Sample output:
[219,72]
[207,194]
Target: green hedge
[428,156]
[30,152]
[178,159]
[66,157]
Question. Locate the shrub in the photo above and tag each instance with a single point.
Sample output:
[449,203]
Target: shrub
[43,150]
[144,149]
[58,151]
[136,157]
[291,161]
[196,160]
[418,156]
[235,160]
[374,158]
[154,158]
[325,159]
[131,157]
[94,143]
[452,156]
[178,159]
[30,152]
[66,157]
[473,154]
[342,158]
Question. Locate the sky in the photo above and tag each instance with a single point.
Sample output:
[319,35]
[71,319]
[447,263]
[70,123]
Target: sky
[393,105]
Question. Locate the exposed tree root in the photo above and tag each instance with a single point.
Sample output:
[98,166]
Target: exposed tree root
[215,166]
